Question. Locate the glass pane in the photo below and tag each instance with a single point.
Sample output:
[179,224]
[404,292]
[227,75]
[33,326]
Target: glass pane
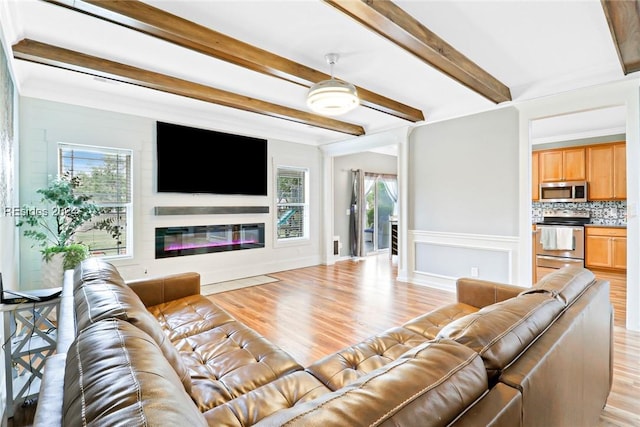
[105,176]
[370,212]
[290,222]
[385,210]
[100,242]
[291,186]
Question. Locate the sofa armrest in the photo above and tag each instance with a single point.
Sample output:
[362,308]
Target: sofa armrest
[500,407]
[66,315]
[481,293]
[49,408]
[158,290]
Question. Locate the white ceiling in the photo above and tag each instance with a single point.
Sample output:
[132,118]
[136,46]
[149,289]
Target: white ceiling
[534,47]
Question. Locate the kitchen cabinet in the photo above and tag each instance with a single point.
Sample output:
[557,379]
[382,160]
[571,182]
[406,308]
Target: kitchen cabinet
[535,176]
[543,271]
[606,247]
[620,171]
[566,164]
[607,171]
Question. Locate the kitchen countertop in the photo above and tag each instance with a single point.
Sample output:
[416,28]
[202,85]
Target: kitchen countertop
[593,225]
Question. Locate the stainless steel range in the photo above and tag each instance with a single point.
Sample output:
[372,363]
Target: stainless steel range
[560,238]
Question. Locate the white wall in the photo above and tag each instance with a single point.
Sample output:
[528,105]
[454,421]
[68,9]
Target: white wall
[342,166]
[463,199]
[43,124]
[465,174]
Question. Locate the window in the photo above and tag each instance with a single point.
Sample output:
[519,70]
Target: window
[105,175]
[292,203]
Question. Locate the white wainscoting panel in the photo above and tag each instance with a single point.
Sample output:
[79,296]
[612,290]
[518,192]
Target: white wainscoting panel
[438,259]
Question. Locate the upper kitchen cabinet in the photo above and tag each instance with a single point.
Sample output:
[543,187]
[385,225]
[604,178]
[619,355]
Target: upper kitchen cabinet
[566,164]
[607,171]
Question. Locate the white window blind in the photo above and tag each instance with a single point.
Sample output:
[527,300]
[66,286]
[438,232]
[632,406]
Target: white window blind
[105,175]
[292,203]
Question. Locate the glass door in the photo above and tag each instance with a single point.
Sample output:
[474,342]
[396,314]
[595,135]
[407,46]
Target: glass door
[380,205]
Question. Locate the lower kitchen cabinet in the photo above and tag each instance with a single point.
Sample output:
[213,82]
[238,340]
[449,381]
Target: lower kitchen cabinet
[606,247]
[619,256]
[542,271]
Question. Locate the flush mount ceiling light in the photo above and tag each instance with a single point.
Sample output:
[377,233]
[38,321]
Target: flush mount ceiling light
[332,97]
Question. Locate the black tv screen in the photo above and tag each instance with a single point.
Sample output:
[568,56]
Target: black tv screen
[191,160]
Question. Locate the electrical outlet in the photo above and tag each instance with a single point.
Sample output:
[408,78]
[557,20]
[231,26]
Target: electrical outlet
[474,272]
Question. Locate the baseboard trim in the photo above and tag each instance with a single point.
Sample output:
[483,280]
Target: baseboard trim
[215,288]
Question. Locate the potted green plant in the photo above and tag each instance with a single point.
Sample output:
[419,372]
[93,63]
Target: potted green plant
[53,225]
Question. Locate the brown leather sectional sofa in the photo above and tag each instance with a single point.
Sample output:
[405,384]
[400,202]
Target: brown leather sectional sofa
[157,353]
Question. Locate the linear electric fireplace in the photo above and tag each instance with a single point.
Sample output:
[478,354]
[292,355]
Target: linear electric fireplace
[203,239]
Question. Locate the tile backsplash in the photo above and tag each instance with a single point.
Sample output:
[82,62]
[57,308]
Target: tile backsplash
[602,213]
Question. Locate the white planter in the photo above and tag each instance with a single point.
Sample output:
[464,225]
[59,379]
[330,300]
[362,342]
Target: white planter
[53,271]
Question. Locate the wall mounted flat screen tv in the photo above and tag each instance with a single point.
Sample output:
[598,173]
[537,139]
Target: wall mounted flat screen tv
[192,160]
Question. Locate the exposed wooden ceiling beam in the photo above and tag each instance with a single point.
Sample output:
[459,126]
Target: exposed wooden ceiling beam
[55,56]
[623,17]
[145,18]
[393,23]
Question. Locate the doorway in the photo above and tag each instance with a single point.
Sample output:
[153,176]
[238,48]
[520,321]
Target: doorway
[602,139]
[381,196]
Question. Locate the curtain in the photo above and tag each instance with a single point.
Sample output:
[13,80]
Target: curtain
[369,182]
[356,213]
[391,184]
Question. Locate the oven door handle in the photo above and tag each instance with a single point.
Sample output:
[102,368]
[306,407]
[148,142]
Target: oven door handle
[540,226]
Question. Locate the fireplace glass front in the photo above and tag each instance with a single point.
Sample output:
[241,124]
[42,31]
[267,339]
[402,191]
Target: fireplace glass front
[202,239]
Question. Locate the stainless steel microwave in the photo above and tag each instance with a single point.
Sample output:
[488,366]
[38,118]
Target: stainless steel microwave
[564,191]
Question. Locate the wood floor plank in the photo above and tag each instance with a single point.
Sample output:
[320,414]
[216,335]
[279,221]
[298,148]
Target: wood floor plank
[319,310]
[618,293]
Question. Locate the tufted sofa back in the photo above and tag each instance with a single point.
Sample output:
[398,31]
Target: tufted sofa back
[115,372]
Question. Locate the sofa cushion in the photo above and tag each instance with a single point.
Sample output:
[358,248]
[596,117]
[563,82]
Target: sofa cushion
[98,300]
[427,386]
[345,366]
[116,374]
[283,393]
[189,316]
[96,269]
[229,361]
[565,284]
[501,331]
[429,324]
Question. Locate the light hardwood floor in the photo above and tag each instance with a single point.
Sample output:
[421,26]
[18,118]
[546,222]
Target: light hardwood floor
[315,311]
